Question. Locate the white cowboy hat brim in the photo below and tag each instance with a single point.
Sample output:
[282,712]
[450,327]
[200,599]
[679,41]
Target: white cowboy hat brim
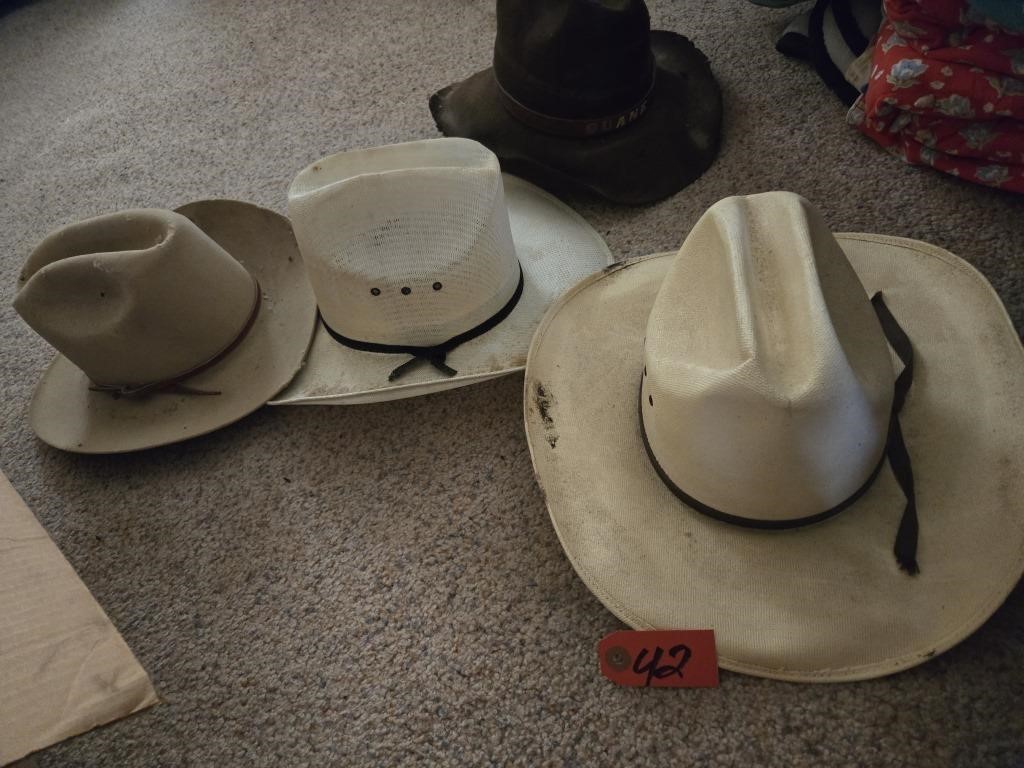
[818,604]
[556,248]
[66,414]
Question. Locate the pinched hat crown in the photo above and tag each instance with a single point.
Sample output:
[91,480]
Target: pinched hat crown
[136,297]
[407,244]
[768,382]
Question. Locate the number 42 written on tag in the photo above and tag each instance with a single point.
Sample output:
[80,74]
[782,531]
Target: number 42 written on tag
[684,658]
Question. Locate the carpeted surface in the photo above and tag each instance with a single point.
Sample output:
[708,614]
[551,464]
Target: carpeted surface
[381,584]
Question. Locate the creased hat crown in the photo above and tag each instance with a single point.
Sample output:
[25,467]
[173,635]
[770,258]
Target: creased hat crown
[135,297]
[768,382]
[574,58]
[407,244]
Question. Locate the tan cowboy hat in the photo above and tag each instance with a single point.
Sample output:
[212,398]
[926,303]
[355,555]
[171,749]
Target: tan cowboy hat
[722,439]
[431,269]
[169,324]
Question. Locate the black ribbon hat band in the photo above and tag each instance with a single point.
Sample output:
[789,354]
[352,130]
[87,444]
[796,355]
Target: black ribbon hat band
[436,354]
[905,548]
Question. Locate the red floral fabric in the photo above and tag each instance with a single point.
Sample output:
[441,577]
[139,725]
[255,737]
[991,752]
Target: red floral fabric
[947,92]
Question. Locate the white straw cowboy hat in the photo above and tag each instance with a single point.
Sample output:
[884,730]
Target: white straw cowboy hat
[431,269]
[169,324]
[690,415]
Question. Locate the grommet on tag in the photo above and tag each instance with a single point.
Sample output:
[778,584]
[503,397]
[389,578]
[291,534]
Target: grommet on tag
[618,657]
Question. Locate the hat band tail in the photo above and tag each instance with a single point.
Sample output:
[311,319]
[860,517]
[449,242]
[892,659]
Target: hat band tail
[905,548]
[435,355]
[175,384]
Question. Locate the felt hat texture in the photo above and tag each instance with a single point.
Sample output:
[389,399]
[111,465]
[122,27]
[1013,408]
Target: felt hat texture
[431,269]
[168,324]
[690,415]
[584,97]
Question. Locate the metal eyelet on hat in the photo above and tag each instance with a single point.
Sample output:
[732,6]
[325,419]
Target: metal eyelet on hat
[375,291]
[406,290]
[437,286]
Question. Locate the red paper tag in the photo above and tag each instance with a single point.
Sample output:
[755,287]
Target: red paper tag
[664,658]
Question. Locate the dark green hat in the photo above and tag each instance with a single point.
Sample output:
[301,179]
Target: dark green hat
[583,96]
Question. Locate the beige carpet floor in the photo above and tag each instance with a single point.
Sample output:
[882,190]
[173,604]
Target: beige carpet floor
[381,584]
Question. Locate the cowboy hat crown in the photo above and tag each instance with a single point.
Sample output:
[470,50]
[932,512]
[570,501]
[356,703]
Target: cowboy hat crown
[574,58]
[135,297]
[768,380]
[408,244]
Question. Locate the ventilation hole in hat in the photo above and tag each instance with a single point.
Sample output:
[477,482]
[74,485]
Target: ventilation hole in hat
[437,286]
[375,291]
[406,290]
[650,400]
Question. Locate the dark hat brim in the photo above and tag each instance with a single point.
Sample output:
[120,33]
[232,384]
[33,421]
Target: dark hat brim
[668,148]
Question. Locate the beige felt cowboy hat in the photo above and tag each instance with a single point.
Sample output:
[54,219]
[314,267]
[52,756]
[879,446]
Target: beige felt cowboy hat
[169,324]
[431,269]
[723,442]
